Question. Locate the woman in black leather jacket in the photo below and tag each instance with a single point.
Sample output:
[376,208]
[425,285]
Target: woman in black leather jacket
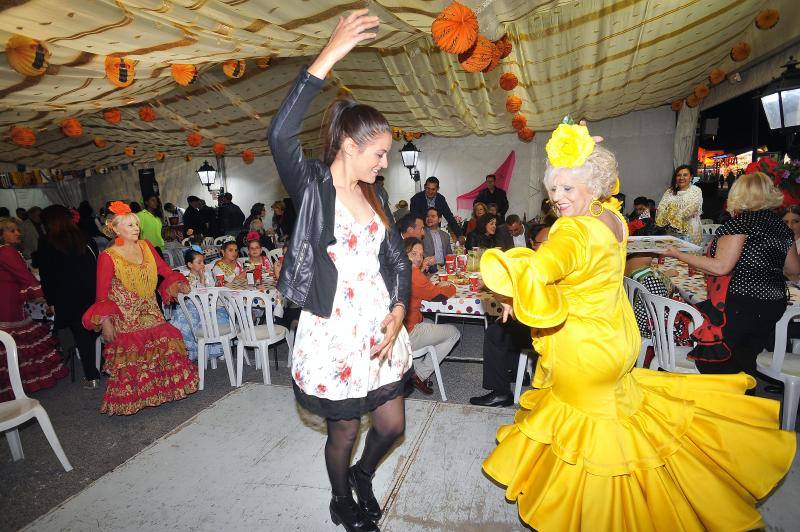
[347,270]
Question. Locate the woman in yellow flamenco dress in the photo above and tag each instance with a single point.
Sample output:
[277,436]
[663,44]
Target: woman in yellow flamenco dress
[597,445]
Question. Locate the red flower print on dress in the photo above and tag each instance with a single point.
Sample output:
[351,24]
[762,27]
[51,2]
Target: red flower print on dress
[348,293]
[373,227]
[352,241]
[297,376]
[332,255]
[371,342]
[321,388]
[345,373]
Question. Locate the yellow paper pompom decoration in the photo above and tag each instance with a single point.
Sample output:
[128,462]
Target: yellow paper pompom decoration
[569,146]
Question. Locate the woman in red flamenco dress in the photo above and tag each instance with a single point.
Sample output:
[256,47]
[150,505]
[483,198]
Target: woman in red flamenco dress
[145,356]
[40,365]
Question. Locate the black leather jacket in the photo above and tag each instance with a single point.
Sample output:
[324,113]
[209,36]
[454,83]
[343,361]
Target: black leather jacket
[309,276]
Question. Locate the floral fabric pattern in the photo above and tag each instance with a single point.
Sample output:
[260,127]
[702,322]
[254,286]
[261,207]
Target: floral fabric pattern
[331,356]
[682,212]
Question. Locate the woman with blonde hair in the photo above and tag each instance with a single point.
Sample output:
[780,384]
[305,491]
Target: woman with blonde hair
[745,264]
[599,444]
[145,356]
[478,209]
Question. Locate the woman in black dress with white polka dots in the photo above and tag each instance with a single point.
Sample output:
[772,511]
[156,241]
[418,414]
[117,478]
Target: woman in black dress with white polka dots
[745,265]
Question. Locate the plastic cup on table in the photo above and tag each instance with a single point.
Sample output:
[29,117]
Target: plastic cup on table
[257,272]
[220,280]
[474,279]
[661,259]
[450,263]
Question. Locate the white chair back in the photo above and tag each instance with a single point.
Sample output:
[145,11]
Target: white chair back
[275,255]
[632,287]
[12,362]
[710,229]
[186,242]
[663,312]
[243,302]
[779,351]
[205,302]
[775,365]
[208,241]
[222,239]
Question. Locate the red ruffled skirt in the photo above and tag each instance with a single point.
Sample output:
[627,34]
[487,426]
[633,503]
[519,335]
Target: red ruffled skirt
[147,368]
[40,364]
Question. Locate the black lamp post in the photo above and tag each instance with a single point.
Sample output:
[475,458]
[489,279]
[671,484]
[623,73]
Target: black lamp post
[781,101]
[410,155]
[207,175]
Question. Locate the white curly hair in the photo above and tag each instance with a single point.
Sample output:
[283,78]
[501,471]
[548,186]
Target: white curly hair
[599,173]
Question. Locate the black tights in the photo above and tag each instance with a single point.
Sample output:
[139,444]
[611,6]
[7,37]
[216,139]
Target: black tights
[388,424]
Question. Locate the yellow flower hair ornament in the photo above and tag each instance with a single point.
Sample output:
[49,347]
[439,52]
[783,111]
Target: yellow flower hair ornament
[570,144]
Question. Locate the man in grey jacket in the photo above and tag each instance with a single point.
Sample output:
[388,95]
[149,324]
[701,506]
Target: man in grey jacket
[435,242]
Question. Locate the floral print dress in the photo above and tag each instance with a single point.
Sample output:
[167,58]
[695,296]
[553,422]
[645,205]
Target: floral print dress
[331,358]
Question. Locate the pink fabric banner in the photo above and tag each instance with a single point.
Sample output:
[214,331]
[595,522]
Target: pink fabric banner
[503,174]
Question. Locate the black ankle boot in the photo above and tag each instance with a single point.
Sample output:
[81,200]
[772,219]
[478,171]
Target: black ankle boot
[345,512]
[362,484]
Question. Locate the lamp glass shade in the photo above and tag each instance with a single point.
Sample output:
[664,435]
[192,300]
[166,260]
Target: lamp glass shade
[207,174]
[410,154]
[772,109]
[791,107]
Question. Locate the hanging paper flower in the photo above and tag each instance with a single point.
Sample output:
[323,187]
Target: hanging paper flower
[397,133]
[71,127]
[701,91]
[263,62]
[233,68]
[767,19]
[248,156]
[692,101]
[508,81]
[194,139]
[716,76]
[219,149]
[119,70]
[184,74]
[130,151]
[409,136]
[188,157]
[504,45]
[513,104]
[27,56]
[478,57]
[160,156]
[676,105]
[417,135]
[495,59]
[569,146]
[455,29]
[526,134]
[519,122]
[112,116]
[23,136]
[100,142]
[147,113]
[740,51]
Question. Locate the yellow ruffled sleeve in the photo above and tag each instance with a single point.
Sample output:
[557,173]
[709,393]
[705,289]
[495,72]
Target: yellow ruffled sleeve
[531,278]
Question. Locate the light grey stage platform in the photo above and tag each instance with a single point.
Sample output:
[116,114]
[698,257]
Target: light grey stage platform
[254,461]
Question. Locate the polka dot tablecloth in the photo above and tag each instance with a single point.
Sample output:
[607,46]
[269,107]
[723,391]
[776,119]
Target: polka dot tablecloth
[481,303]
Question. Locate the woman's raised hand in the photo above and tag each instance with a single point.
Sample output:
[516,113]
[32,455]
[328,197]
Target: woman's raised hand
[350,31]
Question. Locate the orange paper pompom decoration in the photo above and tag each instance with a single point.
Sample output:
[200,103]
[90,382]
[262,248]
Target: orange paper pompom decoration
[147,113]
[112,116]
[740,51]
[455,29]
[495,59]
[233,68]
[119,70]
[676,105]
[219,149]
[100,142]
[701,91]
[263,62]
[513,104]
[526,134]
[188,157]
[160,156]
[248,156]
[504,45]
[71,127]
[692,101]
[397,133]
[508,81]
[519,122]
[408,135]
[130,151]
[27,56]
[23,136]
[716,76]
[767,18]
[417,135]
[478,57]
[184,74]
[194,139]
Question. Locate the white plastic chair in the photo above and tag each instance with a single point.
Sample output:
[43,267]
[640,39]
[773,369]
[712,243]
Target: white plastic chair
[186,242]
[662,313]
[275,255]
[709,229]
[525,362]
[631,288]
[431,352]
[210,330]
[222,239]
[208,241]
[258,337]
[22,408]
[784,367]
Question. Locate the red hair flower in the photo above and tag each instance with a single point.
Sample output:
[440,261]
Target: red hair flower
[76,216]
[253,235]
[119,207]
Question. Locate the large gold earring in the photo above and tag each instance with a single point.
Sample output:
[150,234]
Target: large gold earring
[594,205]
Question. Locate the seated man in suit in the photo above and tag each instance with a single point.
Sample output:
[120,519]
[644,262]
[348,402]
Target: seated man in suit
[435,242]
[413,226]
[513,234]
[430,197]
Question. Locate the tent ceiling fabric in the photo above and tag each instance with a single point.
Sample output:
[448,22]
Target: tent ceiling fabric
[591,59]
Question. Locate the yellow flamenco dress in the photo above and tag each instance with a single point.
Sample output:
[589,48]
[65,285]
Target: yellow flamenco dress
[600,446]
